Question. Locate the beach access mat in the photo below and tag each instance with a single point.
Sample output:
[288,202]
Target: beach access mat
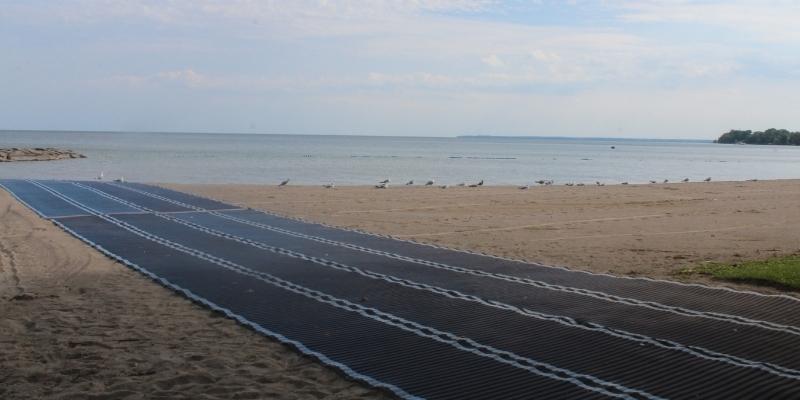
[422,321]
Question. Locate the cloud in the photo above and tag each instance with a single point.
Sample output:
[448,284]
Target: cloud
[493,61]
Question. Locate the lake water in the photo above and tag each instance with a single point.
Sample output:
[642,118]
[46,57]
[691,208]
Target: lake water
[241,158]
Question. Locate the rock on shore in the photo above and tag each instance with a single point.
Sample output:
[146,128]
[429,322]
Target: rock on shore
[36,154]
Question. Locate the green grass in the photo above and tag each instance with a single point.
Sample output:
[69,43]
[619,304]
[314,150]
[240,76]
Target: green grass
[781,272]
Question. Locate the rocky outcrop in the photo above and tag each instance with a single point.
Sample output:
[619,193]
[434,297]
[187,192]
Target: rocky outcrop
[36,154]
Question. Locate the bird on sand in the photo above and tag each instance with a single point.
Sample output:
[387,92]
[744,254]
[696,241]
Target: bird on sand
[429,183]
[480,183]
[382,185]
[462,184]
[384,181]
[329,186]
[444,186]
[284,182]
[652,181]
[624,183]
[666,180]
[525,187]
[685,180]
[707,179]
[581,184]
[411,182]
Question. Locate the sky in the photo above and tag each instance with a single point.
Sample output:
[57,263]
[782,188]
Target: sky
[614,68]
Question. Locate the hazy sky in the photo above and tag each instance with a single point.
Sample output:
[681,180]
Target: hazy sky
[421,67]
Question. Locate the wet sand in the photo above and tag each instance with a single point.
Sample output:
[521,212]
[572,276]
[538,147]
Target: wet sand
[74,324]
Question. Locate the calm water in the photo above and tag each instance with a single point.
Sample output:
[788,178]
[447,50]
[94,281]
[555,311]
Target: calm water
[229,158]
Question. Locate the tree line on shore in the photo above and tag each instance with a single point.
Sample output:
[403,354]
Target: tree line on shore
[769,136]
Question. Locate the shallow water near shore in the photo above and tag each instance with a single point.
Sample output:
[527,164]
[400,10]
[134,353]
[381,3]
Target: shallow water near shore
[354,160]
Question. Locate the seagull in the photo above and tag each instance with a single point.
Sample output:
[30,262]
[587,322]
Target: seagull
[329,186]
[685,180]
[707,179]
[541,181]
[624,183]
[384,181]
[480,183]
[284,183]
[597,183]
[525,187]
[411,182]
[444,186]
[462,184]
[666,180]
[581,184]
[652,181]
[548,183]
[383,185]
[474,185]
[429,183]
[569,184]
[100,177]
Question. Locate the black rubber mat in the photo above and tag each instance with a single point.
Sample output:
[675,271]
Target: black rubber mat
[39,200]
[379,353]
[436,323]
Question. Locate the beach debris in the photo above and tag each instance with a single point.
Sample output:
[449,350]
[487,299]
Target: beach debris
[581,184]
[100,177]
[120,179]
[329,186]
[462,184]
[707,179]
[411,182]
[474,185]
[383,185]
[624,183]
[569,184]
[613,147]
[752,180]
[284,182]
[429,183]
[685,180]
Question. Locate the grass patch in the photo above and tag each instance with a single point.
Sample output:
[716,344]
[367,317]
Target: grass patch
[783,273]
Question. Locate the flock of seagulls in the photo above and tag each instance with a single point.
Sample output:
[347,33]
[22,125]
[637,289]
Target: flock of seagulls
[384,184]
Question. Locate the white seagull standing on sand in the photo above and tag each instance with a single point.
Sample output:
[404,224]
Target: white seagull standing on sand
[382,185]
[284,183]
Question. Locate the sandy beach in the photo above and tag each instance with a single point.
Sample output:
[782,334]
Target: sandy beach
[75,324]
[636,230]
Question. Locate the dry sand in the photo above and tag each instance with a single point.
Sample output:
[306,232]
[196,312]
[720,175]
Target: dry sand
[647,230]
[74,324]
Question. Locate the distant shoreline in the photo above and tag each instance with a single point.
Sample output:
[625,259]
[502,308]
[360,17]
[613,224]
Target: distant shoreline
[16,154]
